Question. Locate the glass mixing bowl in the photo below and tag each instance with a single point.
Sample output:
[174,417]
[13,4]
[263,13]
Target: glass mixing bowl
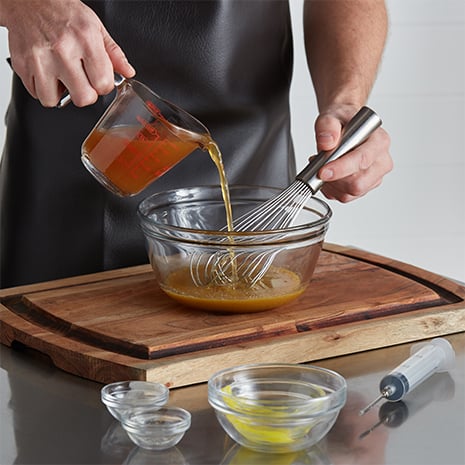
[277,408]
[200,264]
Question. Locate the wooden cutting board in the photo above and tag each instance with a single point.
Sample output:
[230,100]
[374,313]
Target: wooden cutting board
[119,325]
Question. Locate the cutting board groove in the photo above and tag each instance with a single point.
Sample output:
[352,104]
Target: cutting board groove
[445,295]
[119,324]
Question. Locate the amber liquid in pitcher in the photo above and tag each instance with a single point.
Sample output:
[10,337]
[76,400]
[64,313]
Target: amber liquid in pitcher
[131,158]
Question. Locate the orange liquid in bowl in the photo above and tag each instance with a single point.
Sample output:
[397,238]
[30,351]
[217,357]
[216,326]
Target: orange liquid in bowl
[278,287]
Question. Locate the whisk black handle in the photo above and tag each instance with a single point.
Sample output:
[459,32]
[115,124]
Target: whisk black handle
[356,131]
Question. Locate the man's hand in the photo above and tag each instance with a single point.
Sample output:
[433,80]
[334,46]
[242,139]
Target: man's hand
[357,172]
[61,44]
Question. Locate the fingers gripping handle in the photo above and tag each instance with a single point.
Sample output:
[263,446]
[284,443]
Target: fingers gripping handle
[66,98]
[356,131]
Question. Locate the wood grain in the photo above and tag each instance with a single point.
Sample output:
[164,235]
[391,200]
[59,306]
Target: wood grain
[120,325]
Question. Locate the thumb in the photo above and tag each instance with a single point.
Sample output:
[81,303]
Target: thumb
[327,132]
[120,63]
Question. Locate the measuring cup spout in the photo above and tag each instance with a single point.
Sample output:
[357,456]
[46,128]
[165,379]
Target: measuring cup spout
[66,98]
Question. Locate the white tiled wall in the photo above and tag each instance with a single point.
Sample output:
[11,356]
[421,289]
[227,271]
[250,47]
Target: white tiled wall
[418,214]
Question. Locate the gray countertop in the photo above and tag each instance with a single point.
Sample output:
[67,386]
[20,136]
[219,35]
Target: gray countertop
[51,417]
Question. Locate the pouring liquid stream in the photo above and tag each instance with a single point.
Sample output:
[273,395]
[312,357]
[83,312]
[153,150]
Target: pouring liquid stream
[278,285]
[215,154]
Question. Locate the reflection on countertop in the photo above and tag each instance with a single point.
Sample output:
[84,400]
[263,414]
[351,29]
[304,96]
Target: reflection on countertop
[49,416]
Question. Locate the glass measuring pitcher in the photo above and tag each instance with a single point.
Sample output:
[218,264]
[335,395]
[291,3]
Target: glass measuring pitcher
[139,138]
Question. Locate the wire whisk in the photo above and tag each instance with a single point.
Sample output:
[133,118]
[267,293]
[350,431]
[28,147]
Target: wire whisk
[277,213]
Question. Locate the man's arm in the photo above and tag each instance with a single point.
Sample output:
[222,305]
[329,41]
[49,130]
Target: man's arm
[344,41]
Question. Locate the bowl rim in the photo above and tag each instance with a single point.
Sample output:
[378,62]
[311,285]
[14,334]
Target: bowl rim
[159,393]
[145,220]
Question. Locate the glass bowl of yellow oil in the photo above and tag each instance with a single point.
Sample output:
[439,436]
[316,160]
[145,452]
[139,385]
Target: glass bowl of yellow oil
[201,263]
[277,408]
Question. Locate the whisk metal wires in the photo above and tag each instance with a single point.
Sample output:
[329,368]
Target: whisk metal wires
[277,213]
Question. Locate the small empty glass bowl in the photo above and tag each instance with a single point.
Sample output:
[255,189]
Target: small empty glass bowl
[126,397]
[277,408]
[157,429]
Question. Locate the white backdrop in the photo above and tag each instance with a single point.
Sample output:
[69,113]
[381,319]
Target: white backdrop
[418,214]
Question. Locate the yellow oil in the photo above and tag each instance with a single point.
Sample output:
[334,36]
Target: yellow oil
[254,420]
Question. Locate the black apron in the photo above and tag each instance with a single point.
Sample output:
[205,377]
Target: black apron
[227,62]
